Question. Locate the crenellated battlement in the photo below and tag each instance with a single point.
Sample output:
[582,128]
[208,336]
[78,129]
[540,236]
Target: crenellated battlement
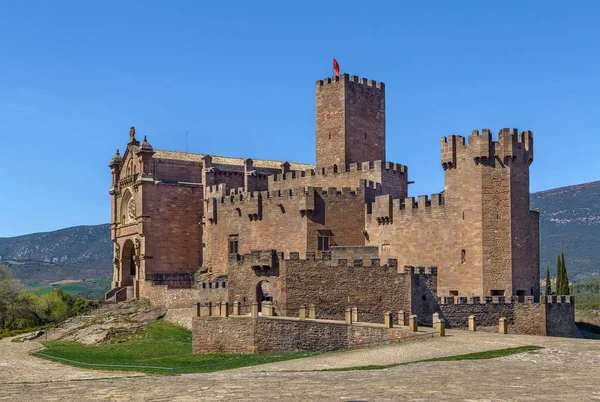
[444,300]
[385,207]
[266,259]
[481,148]
[239,195]
[364,167]
[345,77]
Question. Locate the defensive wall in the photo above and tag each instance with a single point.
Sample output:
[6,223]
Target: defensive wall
[481,221]
[389,178]
[334,283]
[552,316]
[285,220]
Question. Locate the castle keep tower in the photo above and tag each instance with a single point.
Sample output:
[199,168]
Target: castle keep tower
[350,121]
[487,199]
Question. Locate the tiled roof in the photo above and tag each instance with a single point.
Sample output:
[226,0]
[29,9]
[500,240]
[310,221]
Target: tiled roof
[224,160]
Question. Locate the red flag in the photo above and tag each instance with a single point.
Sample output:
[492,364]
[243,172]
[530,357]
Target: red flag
[336,67]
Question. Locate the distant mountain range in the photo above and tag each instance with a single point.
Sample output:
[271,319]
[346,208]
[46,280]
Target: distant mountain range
[80,252]
[569,222]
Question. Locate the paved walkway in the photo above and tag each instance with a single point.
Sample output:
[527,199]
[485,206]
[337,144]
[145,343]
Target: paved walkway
[566,369]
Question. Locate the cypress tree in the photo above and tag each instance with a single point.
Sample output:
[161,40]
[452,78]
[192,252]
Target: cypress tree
[565,279]
[558,275]
[548,282]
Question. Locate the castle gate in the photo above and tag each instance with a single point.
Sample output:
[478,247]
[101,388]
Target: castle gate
[263,293]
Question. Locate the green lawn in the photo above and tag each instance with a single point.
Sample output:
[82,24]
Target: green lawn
[92,288]
[491,354]
[164,348]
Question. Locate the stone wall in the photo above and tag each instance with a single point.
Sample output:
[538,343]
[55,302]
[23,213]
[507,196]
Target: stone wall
[480,232]
[287,221]
[560,319]
[552,319]
[388,178]
[172,234]
[350,120]
[180,316]
[162,295]
[274,334]
[332,285]
[223,335]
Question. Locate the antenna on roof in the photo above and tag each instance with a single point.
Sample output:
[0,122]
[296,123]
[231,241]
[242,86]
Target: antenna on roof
[186,140]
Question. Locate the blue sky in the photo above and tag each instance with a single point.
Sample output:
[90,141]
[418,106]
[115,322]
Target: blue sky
[240,77]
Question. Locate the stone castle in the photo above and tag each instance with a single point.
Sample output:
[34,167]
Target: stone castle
[194,228]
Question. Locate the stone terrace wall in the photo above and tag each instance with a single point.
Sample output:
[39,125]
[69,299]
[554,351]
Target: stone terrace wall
[552,319]
[273,334]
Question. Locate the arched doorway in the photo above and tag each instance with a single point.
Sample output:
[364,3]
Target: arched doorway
[128,267]
[263,293]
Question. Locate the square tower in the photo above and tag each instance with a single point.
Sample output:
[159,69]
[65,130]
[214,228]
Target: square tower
[350,120]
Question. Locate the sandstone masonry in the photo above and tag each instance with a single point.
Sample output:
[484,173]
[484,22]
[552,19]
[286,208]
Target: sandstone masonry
[195,228]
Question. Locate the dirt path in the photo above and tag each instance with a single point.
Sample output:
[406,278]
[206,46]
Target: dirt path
[566,369]
[18,366]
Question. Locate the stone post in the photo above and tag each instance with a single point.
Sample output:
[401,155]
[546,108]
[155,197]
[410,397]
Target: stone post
[436,318]
[302,313]
[441,327]
[267,309]
[472,324]
[413,325]
[254,310]
[401,318]
[236,308]
[348,315]
[502,326]
[387,320]
[224,309]
[311,312]
[354,314]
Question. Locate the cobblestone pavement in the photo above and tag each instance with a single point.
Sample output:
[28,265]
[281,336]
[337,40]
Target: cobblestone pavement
[566,368]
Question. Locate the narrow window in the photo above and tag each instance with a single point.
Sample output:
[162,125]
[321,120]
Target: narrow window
[233,244]
[323,243]
[216,285]
[365,136]
[463,256]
